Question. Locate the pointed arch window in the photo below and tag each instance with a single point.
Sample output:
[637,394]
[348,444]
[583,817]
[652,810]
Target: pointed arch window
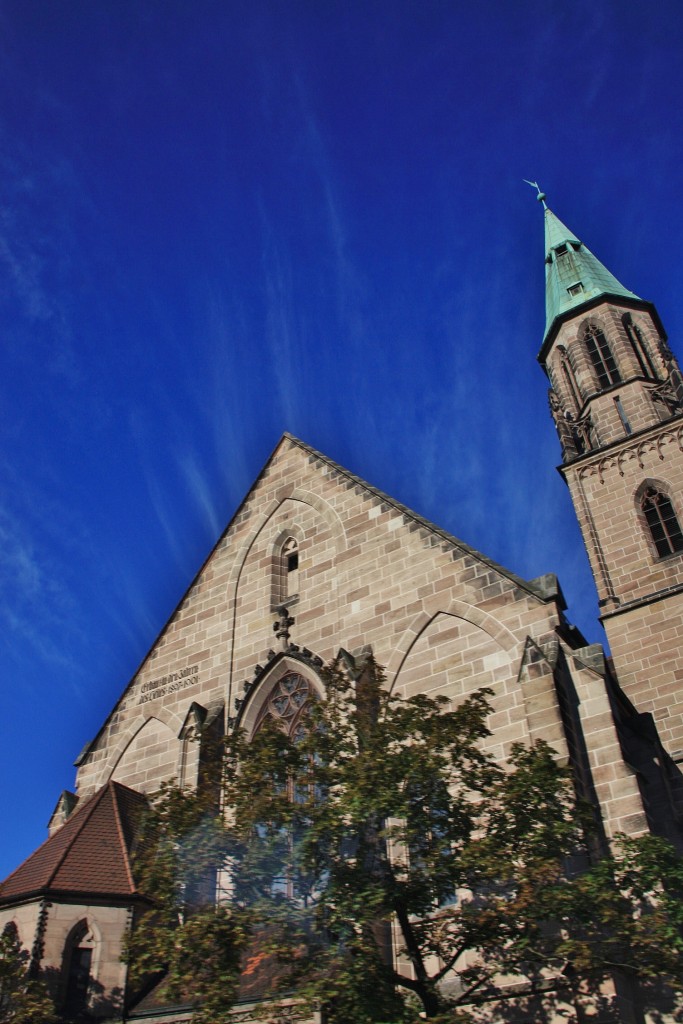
[640,349]
[287,709]
[290,554]
[289,568]
[570,377]
[662,522]
[284,574]
[286,705]
[601,357]
[78,956]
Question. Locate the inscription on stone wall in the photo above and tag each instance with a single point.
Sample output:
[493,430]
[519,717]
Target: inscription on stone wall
[171,683]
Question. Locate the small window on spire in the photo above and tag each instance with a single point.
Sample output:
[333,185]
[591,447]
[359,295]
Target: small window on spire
[575,289]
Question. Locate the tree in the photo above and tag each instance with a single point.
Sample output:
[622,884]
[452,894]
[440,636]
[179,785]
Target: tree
[383,814]
[184,936]
[23,998]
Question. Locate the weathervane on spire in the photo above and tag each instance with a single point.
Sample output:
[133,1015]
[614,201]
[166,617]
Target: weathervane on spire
[541,196]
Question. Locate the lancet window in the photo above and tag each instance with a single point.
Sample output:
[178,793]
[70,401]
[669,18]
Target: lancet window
[285,579]
[640,349]
[662,522]
[287,709]
[570,380]
[290,565]
[601,357]
[78,956]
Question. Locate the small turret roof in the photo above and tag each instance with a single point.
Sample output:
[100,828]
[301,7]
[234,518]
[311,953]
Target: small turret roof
[89,855]
[573,275]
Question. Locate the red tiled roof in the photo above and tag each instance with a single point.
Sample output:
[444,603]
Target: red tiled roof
[89,854]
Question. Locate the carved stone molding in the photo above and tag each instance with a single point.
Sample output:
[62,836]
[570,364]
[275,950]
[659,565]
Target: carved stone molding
[634,452]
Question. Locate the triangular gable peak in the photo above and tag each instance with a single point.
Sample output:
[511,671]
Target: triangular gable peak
[412,520]
[63,809]
[307,525]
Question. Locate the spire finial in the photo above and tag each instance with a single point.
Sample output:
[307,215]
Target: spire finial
[541,196]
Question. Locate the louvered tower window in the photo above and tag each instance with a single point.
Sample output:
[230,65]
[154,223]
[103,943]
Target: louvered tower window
[601,357]
[662,522]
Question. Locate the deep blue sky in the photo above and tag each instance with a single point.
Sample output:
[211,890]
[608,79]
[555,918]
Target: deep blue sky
[223,220]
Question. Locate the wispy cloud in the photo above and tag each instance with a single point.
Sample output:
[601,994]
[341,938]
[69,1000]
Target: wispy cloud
[23,267]
[36,607]
[283,337]
[37,247]
[203,493]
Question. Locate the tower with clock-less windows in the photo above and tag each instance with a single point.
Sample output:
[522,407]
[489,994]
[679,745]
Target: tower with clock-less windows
[617,400]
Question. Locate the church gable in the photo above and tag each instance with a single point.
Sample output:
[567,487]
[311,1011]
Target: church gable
[318,564]
[352,567]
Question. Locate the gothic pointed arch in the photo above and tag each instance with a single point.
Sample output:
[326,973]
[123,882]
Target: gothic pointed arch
[659,517]
[79,967]
[200,737]
[569,378]
[433,607]
[154,735]
[601,355]
[280,691]
[639,347]
[285,556]
[263,519]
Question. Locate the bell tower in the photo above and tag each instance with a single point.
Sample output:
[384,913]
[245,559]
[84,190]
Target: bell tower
[616,397]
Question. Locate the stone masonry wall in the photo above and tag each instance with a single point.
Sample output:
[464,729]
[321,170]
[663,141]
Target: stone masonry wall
[646,646]
[439,617]
[644,637]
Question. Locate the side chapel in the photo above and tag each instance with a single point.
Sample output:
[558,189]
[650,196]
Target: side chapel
[316,559]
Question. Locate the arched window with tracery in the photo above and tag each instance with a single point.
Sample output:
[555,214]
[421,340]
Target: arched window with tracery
[287,708]
[287,704]
[662,521]
[601,356]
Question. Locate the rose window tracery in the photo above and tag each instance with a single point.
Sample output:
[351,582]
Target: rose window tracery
[286,705]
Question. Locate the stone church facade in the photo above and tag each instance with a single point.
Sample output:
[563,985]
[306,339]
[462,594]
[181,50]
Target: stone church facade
[316,561]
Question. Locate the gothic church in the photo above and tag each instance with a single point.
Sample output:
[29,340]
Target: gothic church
[315,560]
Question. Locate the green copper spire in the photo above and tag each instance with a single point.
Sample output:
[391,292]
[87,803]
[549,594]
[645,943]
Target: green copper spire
[573,275]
